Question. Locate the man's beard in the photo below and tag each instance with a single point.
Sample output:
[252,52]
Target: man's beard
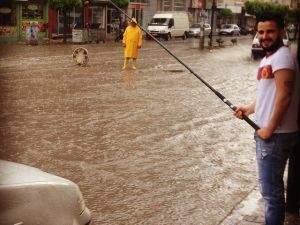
[273,47]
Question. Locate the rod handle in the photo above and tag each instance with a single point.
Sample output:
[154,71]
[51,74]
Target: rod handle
[233,107]
[247,119]
[250,122]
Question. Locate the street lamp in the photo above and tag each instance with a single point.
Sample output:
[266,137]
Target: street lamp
[213,8]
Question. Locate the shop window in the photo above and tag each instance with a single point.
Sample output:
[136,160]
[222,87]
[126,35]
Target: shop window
[74,19]
[96,15]
[32,10]
[7,13]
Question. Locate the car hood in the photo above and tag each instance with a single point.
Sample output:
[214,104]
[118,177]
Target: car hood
[226,29]
[14,173]
[194,29]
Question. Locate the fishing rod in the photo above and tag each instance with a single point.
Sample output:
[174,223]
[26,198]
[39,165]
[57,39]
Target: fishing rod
[227,102]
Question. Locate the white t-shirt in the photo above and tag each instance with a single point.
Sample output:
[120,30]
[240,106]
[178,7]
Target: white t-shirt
[266,95]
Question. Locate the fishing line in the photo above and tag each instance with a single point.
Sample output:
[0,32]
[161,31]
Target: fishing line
[226,101]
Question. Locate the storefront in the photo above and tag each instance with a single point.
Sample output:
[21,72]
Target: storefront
[97,13]
[90,14]
[8,20]
[34,12]
[137,9]
[16,16]
[197,10]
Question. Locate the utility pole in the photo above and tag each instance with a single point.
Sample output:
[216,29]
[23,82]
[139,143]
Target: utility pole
[213,8]
[201,39]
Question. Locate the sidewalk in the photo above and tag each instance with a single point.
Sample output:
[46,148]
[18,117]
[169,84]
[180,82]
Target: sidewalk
[248,212]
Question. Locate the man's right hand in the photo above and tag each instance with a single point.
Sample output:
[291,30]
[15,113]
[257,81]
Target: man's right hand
[244,110]
[240,111]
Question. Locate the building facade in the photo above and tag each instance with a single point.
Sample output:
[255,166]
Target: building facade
[17,15]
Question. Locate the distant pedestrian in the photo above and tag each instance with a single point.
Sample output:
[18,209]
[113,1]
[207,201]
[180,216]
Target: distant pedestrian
[121,30]
[276,109]
[132,40]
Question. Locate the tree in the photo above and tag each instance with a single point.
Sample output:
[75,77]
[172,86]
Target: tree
[225,13]
[293,17]
[121,3]
[64,6]
[258,8]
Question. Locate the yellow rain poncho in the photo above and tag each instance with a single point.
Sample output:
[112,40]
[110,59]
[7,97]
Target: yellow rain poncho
[132,38]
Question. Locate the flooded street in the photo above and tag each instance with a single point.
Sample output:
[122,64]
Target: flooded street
[151,146]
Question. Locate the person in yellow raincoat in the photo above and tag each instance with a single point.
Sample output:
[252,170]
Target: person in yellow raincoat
[132,40]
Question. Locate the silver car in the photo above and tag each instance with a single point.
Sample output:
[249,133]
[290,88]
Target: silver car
[194,30]
[30,196]
[229,29]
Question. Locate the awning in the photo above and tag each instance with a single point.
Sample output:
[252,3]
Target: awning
[99,2]
[246,14]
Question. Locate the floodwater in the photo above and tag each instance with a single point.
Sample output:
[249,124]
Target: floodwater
[151,146]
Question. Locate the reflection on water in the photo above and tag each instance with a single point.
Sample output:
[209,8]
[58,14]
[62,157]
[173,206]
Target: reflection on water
[149,146]
[129,78]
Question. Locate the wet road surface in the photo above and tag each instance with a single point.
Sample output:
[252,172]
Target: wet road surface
[151,146]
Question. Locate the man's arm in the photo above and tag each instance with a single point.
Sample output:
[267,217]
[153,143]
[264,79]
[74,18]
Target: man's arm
[285,82]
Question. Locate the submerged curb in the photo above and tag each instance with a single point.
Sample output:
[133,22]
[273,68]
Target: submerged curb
[248,212]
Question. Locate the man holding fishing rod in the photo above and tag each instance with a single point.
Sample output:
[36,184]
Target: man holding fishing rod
[276,111]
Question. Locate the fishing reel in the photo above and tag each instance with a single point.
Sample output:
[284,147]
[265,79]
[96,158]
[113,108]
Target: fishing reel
[80,56]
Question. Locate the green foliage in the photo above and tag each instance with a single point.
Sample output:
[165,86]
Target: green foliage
[258,8]
[226,12]
[293,16]
[121,3]
[64,4]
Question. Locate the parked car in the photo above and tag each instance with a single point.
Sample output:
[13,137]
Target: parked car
[246,30]
[256,49]
[229,29]
[194,30]
[31,196]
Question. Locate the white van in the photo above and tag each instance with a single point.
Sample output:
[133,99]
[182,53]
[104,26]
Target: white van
[169,24]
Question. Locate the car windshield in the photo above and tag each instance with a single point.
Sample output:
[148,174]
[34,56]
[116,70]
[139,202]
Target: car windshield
[195,25]
[160,21]
[227,26]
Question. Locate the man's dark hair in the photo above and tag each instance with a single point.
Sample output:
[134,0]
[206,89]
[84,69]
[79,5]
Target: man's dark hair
[271,16]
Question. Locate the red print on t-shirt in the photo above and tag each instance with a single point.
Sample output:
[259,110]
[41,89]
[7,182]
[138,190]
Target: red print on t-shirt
[265,72]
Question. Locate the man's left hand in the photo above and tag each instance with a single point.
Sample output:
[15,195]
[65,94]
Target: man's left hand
[264,133]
